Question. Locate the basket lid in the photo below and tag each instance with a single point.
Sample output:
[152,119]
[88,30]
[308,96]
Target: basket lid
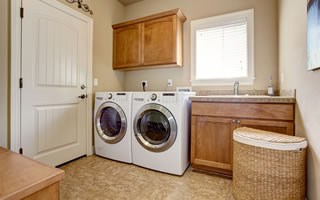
[270,140]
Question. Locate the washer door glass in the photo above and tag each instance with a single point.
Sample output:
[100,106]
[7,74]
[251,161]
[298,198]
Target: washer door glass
[155,128]
[111,123]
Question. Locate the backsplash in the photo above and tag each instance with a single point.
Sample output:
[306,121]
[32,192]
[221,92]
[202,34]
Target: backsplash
[290,93]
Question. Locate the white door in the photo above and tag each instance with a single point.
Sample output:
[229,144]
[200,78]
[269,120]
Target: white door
[54,67]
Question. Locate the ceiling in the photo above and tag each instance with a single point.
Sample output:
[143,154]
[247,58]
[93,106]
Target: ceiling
[128,2]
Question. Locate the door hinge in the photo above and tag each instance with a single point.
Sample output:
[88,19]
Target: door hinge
[21,83]
[21,151]
[21,12]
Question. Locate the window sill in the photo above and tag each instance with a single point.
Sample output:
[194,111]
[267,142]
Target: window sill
[222,82]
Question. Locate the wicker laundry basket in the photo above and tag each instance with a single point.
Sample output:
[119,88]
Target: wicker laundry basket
[268,165]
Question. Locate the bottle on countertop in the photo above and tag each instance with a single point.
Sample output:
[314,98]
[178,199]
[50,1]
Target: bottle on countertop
[270,88]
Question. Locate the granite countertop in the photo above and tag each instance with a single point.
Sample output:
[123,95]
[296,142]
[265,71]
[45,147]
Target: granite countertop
[244,99]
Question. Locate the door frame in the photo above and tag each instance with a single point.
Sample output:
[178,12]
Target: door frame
[15,92]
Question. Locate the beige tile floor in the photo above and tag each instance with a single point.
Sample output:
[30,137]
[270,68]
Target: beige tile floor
[94,177]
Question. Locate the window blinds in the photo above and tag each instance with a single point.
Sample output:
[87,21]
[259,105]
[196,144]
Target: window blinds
[222,51]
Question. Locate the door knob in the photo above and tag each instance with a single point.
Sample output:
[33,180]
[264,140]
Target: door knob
[83,96]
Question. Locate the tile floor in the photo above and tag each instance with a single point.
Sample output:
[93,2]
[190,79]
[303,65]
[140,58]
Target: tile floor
[94,177]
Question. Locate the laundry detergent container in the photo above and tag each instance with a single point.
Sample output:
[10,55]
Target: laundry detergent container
[268,165]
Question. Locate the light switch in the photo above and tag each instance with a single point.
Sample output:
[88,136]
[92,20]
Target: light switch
[95,82]
[281,77]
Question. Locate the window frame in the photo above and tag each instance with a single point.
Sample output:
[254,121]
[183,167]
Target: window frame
[221,20]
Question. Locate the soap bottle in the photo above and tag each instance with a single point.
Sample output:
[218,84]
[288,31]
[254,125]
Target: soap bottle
[270,88]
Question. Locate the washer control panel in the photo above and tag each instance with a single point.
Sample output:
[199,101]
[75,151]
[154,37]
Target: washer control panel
[114,96]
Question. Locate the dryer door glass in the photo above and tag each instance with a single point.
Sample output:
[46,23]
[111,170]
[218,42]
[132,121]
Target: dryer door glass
[111,122]
[155,128]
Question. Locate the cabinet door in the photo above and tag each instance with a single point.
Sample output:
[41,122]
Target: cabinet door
[273,126]
[127,46]
[211,143]
[160,36]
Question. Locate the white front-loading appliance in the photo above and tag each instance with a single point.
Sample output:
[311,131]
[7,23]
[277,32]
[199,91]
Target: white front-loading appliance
[161,124]
[113,125]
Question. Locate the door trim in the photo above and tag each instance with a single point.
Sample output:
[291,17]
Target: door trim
[15,75]
[15,107]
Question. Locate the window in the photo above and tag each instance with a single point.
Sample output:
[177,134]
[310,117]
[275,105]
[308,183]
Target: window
[222,49]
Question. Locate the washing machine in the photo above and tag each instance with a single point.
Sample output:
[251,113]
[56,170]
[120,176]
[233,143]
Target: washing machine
[161,126]
[113,125]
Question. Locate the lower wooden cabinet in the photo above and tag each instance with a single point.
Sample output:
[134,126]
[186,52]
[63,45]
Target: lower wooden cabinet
[211,135]
[273,126]
[211,143]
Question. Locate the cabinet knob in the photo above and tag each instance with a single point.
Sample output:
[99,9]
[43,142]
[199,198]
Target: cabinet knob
[238,121]
[233,121]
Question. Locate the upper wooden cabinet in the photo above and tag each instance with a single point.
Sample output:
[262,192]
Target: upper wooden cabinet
[153,41]
[160,41]
[127,46]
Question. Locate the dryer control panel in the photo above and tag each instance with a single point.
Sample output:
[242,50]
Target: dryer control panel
[170,97]
[153,97]
[156,97]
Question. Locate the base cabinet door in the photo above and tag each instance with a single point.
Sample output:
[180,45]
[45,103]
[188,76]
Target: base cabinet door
[211,143]
[273,126]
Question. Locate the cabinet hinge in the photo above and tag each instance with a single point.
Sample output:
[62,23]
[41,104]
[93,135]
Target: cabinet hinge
[21,151]
[21,12]
[21,83]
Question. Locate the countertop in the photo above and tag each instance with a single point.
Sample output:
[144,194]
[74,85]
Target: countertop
[244,99]
[21,176]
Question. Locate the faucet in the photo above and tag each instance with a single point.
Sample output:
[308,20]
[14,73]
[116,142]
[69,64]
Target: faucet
[236,88]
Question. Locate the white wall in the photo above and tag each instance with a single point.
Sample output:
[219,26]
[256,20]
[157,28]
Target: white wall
[266,40]
[4,73]
[293,66]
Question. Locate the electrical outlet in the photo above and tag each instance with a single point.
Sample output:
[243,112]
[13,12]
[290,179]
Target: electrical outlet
[146,83]
[170,82]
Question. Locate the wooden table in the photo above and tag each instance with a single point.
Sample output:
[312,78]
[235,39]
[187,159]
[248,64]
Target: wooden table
[24,178]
